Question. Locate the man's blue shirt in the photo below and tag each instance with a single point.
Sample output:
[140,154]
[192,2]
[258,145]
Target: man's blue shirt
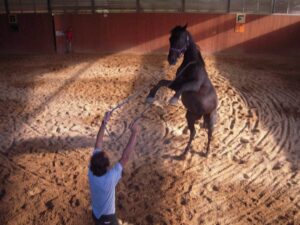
[103,190]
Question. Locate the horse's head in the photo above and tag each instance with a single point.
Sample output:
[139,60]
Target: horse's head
[179,41]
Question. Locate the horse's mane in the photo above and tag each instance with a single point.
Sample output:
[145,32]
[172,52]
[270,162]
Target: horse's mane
[194,45]
[177,29]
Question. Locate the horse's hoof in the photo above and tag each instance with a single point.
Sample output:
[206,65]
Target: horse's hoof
[150,100]
[185,130]
[203,154]
[173,101]
[204,125]
[179,157]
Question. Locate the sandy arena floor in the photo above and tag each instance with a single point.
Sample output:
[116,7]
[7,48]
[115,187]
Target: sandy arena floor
[51,108]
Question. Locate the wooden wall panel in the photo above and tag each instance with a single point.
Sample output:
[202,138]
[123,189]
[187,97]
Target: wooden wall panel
[35,34]
[149,32]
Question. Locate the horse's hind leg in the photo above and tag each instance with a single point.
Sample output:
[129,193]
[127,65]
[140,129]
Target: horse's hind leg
[191,119]
[152,93]
[209,121]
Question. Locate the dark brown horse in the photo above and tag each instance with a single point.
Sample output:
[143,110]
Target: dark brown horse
[191,83]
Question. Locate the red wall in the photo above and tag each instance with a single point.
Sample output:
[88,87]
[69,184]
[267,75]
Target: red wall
[35,34]
[148,32]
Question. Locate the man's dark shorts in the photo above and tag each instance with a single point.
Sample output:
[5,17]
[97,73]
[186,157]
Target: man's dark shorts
[106,220]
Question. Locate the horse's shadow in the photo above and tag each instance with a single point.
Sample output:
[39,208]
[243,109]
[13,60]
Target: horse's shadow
[184,154]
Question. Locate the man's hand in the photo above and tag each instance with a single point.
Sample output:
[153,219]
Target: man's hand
[135,127]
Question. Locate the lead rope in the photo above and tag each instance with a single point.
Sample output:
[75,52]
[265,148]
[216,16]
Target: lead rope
[126,100]
[122,103]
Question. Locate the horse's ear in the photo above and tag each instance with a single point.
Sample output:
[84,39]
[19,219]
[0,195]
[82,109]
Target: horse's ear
[185,26]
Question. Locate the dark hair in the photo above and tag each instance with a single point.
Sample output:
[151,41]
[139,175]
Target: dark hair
[99,163]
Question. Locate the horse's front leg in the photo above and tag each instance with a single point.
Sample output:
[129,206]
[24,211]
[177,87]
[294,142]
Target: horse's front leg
[152,93]
[189,86]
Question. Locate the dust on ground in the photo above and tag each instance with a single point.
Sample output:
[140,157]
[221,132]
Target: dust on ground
[51,107]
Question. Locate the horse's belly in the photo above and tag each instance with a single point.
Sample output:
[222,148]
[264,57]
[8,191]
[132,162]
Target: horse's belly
[191,101]
[199,103]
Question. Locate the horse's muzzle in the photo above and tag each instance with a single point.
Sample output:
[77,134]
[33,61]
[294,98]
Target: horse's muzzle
[172,59]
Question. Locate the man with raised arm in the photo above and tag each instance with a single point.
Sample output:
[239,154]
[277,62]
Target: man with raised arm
[103,180]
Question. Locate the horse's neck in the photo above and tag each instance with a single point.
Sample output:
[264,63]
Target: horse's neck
[192,54]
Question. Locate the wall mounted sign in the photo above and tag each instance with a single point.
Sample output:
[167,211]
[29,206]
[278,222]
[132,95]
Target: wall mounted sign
[240,21]
[240,18]
[13,23]
[12,19]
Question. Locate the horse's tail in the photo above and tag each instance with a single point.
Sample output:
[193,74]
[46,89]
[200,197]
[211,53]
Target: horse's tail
[210,120]
[213,118]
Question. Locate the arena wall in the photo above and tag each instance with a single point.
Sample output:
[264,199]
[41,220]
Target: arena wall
[149,32]
[34,34]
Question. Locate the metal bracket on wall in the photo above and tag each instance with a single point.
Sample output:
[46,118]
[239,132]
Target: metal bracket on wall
[138,6]
[273,6]
[183,6]
[6,6]
[49,6]
[93,6]
[228,6]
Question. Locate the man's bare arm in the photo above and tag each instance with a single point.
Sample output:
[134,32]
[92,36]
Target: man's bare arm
[131,143]
[99,139]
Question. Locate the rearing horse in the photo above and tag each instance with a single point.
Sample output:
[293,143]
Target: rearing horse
[198,95]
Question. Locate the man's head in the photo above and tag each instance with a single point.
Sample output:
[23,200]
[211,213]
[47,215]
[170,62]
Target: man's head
[99,163]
